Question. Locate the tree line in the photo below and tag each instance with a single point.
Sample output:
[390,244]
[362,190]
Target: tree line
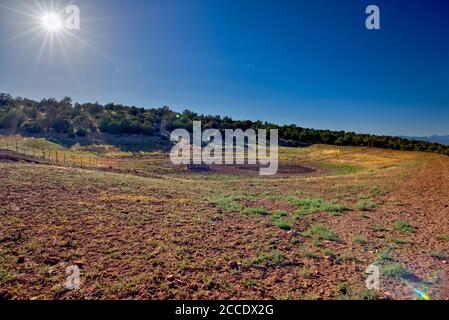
[74,119]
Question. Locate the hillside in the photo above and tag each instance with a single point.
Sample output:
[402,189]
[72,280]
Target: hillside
[84,120]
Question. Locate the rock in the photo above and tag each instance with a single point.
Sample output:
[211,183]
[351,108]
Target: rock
[51,261]
[170,277]
[233,265]
[21,260]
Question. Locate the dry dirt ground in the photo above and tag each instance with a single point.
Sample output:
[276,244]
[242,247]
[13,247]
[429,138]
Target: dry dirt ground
[150,231]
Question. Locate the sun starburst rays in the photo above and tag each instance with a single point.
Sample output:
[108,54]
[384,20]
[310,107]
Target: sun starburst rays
[44,22]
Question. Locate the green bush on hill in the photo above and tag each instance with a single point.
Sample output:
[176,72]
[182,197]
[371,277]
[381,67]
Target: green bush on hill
[74,119]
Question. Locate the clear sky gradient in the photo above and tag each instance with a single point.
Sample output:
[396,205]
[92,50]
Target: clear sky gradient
[312,63]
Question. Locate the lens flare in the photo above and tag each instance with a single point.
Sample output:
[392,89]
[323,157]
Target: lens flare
[422,294]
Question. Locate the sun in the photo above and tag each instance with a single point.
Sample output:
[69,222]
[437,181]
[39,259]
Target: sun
[52,22]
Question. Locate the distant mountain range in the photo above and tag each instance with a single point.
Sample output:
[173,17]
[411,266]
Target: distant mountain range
[432,139]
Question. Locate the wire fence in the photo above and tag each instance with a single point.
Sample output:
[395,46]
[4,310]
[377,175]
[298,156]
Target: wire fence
[55,156]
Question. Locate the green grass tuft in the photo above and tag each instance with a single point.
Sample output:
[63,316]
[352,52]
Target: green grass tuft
[277,214]
[279,221]
[313,205]
[268,259]
[359,240]
[403,227]
[259,210]
[307,272]
[383,256]
[227,202]
[283,224]
[319,232]
[365,205]
[395,270]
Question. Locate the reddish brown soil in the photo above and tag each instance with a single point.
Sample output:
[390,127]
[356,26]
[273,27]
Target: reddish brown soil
[147,238]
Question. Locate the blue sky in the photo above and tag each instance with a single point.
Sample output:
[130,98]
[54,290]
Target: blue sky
[312,63]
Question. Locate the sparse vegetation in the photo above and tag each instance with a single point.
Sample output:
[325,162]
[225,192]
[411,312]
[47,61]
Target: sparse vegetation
[227,202]
[403,227]
[384,256]
[250,283]
[359,240]
[4,276]
[279,220]
[258,210]
[329,253]
[313,205]
[395,270]
[283,224]
[365,205]
[440,255]
[345,292]
[444,237]
[307,272]
[398,240]
[268,259]
[201,235]
[320,232]
[378,228]
[308,254]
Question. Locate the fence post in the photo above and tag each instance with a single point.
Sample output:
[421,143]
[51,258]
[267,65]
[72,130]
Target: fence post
[56,153]
[17,150]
